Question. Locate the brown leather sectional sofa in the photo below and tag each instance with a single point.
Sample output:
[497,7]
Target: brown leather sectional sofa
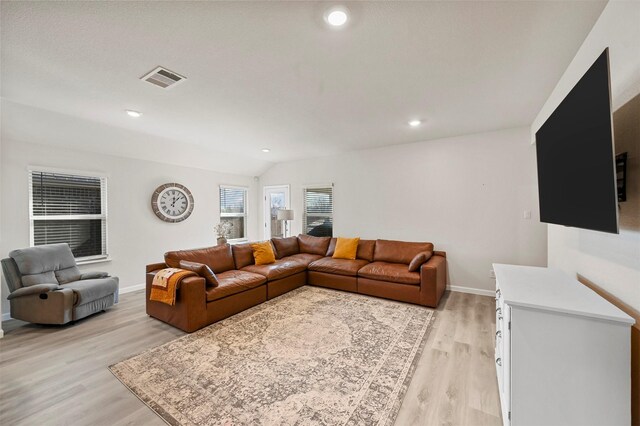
[380,269]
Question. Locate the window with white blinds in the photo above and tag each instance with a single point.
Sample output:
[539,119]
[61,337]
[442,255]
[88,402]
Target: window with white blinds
[233,210]
[69,208]
[318,211]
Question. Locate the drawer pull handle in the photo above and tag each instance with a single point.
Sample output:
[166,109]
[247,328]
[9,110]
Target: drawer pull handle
[498,292]
[500,318]
[499,311]
[499,361]
[499,333]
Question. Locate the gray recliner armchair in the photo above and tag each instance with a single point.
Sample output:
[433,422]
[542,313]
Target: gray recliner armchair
[48,288]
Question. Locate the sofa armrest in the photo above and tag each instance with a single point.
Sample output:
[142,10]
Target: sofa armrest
[190,310]
[433,280]
[34,289]
[155,267]
[93,275]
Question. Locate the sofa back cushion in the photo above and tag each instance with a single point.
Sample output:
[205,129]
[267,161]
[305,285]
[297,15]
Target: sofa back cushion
[47,264]
[365,249]
[285,246]
[68,275]
[48,277]
[398,251]
[242,255]
[332,247]
[218,258]
[313,245]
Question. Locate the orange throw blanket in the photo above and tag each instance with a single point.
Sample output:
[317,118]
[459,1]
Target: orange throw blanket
[165,284]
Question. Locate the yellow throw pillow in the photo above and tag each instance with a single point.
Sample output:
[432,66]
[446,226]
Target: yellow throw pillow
[263,253]
[346,248]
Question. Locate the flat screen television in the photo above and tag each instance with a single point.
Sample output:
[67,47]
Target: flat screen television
[575,156]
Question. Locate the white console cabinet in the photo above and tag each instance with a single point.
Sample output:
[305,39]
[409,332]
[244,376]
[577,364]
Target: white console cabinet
[562,351]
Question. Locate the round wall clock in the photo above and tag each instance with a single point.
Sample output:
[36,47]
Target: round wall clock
[172,202]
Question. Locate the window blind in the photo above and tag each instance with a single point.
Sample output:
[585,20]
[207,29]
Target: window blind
[69,208]
[233,210]
[318,211]
[232,200]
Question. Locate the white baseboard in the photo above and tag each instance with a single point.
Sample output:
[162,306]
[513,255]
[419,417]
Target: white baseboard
[6,316]
[131,288]
[479,291]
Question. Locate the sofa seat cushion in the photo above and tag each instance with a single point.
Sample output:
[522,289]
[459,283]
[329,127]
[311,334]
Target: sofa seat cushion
[348,267]
[86,291]
[233,282]
[305,258]
[393,272]
[281,268]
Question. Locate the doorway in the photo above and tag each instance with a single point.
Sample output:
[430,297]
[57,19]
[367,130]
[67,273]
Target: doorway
[275,198]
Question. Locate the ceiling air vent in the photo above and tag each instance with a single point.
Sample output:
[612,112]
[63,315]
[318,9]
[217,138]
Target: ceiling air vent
[164,78]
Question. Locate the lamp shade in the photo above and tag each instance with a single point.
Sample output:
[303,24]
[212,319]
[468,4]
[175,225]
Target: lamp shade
[284,214]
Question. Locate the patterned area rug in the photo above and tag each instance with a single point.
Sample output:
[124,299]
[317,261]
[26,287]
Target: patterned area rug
[310,357]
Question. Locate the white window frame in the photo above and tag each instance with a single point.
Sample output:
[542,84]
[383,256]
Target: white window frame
[267,208]
[103,202]
[304,205]
[245,215]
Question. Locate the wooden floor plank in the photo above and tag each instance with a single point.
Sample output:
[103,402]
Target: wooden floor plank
[57,375]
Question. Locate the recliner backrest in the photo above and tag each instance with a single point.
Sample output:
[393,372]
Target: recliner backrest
[11,274]
[47,264]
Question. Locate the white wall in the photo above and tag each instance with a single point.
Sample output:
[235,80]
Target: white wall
[611,261]
[136,235]
[26,123]
[466,194]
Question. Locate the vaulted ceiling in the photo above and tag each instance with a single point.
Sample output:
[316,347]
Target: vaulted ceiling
[273,75]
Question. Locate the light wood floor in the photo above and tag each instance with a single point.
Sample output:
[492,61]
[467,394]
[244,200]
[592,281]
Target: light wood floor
[59,376]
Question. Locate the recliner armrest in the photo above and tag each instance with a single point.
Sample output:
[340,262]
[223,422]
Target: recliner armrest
[34,289]
[93,275]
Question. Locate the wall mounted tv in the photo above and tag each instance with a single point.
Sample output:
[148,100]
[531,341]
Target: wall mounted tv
[575,155]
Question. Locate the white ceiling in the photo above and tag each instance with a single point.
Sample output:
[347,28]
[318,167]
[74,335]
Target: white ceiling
[271,74]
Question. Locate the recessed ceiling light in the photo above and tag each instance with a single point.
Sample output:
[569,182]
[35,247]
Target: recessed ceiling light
[337,16]
[266,150]
[415,123]
[134,114]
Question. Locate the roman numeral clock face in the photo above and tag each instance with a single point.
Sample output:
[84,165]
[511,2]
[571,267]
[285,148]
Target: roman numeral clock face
[172,202]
